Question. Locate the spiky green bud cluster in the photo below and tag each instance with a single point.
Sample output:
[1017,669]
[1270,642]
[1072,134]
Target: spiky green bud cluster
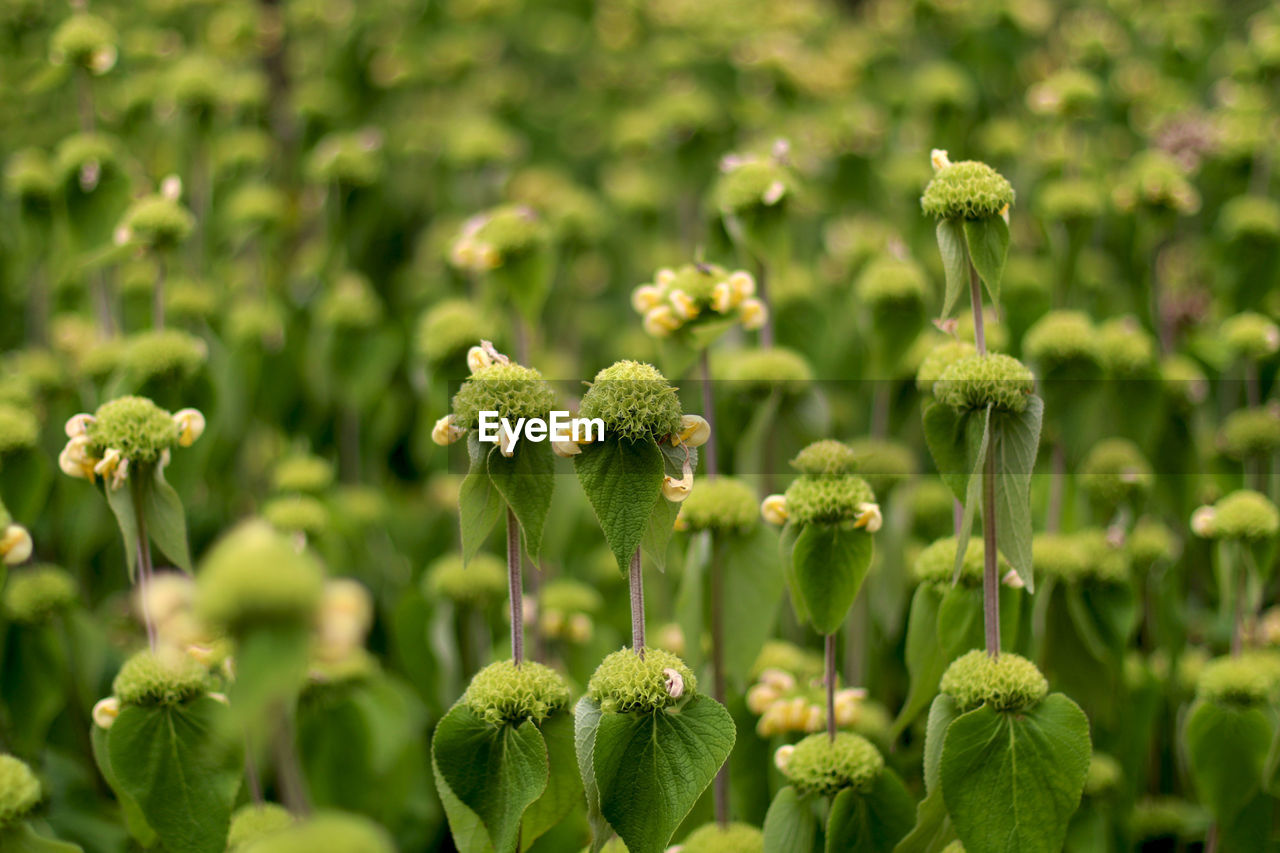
[158,222]
[981,380]
[634,400]
[732,838]
[1007,683]
[788,657]
[1104,775]
[150,678]
[28,175]
[135,426]
[332,832]
[1250,217]
[163,354]
[1125,350]
[938,359]
[1070,200]
[297,513]
[302,473]
[625,682]
[826,458]
[942,84]
[1062,339]
[1157,181]
[512,390]
[35,594]
[449,328]
[821,766]
[773,368]
[1251,432]
[1245,515]
[1115,472]
[827,499]
[255,576]
[351,158]
[722,503]
[1249,679]
[1151,541]
[567,595]
[256,206]
[936,563]
[966,190]
[505,693]
[191,299]
[753,184]
[882,463]
[19,790]
[891,284]
[80,40]
[19,429]
[349,304]
[481,581]
[82,149]
[252,822]
[1250,335]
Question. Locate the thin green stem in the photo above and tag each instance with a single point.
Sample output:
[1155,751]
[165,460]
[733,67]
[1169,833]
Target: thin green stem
[636,580]
[830,679]
[515,583]
[719,691]
[990,571]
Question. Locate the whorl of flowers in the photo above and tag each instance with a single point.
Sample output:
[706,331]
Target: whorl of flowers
[787,701]
[823,766]
[680,296]
[497,237]
[748,183]
[127,431]
[965,190]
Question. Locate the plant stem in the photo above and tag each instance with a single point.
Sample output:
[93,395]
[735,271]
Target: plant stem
[251,773]
[957,517]
[1237,618]
[157,295]
[990,571]
[516,585]
[293,787]
[1057,483]
[975,299]
[830,680]
[709,412]
[721,791]
[637,605]
[144,560]
[762,293]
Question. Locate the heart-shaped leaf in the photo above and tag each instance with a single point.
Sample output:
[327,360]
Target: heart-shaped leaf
[791,825]
[526,481]
[830,562]
[988,240]
[944,432]
[1015,441]
[479,501]
[955,261]
[1227,750]
[564,785]
[873,822]
[586,724]
[623,482]
[166,519]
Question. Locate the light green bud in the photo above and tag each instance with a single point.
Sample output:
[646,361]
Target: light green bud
[135,426]
[722,503]
[1008,683]
[19,790]
[255,576]
[733,838]
[625,682]
[151,678]
[966,190]
[505,693]
[981,380]
[35,594]
[821,766]
[634,400]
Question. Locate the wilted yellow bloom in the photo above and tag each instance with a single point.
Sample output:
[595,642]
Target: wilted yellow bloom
[774,509]
[782,757]
[760,697]
[723,298]
[779,679]
[75,460]
[1202,521]
[1012,579]
[446,432]
[478,359]
[566,449]
[869,517]
[753,313]
[939,159]
[661,321]
[78,425]
[105,712]
[190,426]
[684,305]
[645,298]
[15,545]
[742,284]
[673,682]
[677,490]
[112,466]
[694,431]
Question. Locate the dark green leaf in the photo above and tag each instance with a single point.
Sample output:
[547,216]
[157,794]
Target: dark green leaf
[830,563]
[791,825]
[479,501]
[623,481]
[166,520]
[753,585]
[22,838]
[873,822]
[955,261]
[468,833]
[121,502]
[977,444]
[1227,751]
[134,820]
[586,724]
[944,432]
[925,658]
[564,785]
[988,241]
[1015,441]
[526,482]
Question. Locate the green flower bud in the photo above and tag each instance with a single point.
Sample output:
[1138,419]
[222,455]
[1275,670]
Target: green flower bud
[625,682]
[1184,381]
[511,390]
[966,190]
[252,822]
[300,513]
[1150,542]
[302,473]
[828,499]
[1156,181]
[1008,683]
[882,463]
[29,176]
[1115,472]
[135,426]
[350,304]
[169,354]
[764,370]
[256,207]
[332,832]
[1250,679]
[34,595]
[478,139]
[1059,555]
[733,838]
[255,576]
[449,328]
[86,41]
[352,159]
[821,766]
[1167,817]
[1125,350]
[938,359]
[19,429]
[1251,432]
[1062,341]
[804,664]
[151,678]
[634,400]
[567,595]
[505,693]
[85,151]
[981,380]
[942,85]
[158,222]
[826,458]
[191,299]
[1250,217]
[1246,515]
[243,149]
[19,790]
[1104,775]
[1069,91]
[749,185]
[720,503]
[1250,335]
[196,82]
[890,284]
[1070,200]
[936,564]
[479,583]
[499,237]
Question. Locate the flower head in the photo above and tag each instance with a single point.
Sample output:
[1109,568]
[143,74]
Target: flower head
[1008,683]
[966,190]
[635,401]
[822,766]
[626,682]
[166,677]
[980,380]
[19,790]
[505,693]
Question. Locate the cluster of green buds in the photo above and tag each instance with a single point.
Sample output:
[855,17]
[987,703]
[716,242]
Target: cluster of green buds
[1242,515]
[165,677]
[20,791]
[85,41]
[699,291]
[827,490]
[714,838]
[126,431]
[626,682]
[819,765]
[157,221]
[495,238]
[567,608]
[784,705]
[966,189]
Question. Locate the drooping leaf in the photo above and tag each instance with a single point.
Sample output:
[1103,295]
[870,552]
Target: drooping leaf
[564,785]
[873,822]
[166,519]
[1015,441]
[1227,752]
[135,822]
[121,502]
[1011,781]
[652,767]
[830,562]
[988,241]
[496,771]
[22,838]
[479,501]
[977,445]
[657,533]
[623,482]
[924,654]
[944,432]
[465,826]
[932,831]
[586,724]
[791,825]
[955,261]
[753,585]
[526,482]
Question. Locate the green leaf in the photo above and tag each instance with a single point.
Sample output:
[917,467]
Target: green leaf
[944,432]
[169,760]
[787,548]
[651,768]
[468,833]
[942,713]
[873,822]
[1011,781]
[830,563]
[977,444]
[33,684]
[586,724]
[753,585]
[134,820]
[564,785]
[623,481]
[496,771]
[932,831]
[1227,752]
[22,838]
[166,520]
[479,501]
[988,241]
[955,261]
[526,482]
[271,667]
[926,661]
[1015,441]
[121,502]
[657,533]
[791,825]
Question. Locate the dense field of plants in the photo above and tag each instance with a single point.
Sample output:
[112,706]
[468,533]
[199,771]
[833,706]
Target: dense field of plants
[932,353]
